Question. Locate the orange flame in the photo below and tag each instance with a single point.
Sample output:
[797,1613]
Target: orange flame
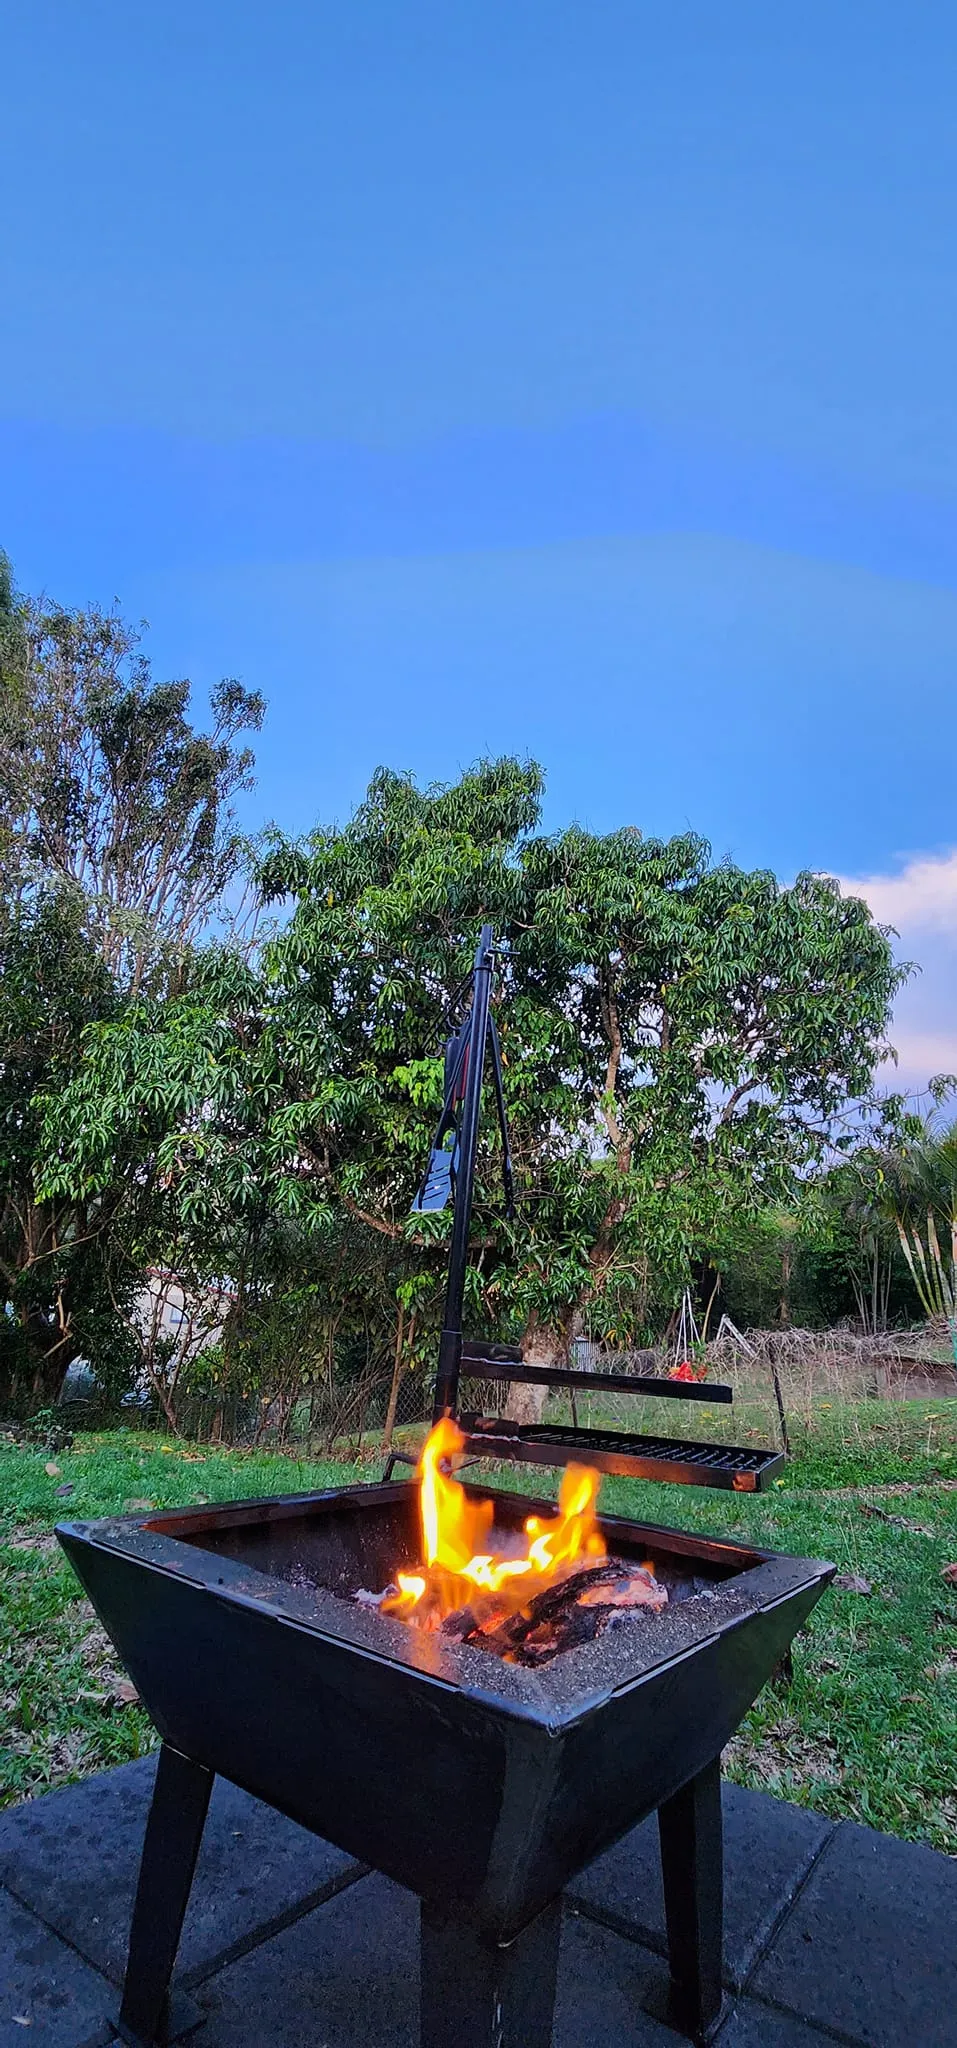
[455,1530]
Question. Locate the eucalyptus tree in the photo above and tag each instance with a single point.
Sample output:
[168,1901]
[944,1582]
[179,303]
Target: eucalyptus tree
[120,850]
[108,791]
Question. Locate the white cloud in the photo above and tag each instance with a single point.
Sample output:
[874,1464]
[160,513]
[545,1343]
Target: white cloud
[920,902]
[922,898]
[919,1055]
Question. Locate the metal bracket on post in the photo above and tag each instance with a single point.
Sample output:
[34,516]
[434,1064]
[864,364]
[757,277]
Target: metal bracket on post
[398,1458]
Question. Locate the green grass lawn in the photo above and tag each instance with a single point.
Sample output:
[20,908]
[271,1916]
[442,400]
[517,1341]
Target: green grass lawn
[867,1728]
[62,1707]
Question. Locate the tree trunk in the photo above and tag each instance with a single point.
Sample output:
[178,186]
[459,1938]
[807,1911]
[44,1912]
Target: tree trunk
[541,1345]
[35,1377]
[712,1297]
[784,1308]
[165,1399]
[48,1377]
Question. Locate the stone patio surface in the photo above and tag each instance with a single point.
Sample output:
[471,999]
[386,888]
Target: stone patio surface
[834,1934]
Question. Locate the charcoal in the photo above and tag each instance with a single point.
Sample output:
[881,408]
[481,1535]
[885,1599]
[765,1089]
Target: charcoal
[556,1618]
[555,1599]
[579,1625]
[569,1630]
[498,1634]
[460,1625]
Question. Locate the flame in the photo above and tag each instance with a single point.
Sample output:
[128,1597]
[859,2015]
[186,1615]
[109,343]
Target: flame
[455,1531]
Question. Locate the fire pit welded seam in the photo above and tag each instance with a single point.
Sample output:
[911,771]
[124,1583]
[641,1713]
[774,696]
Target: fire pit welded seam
[531,1777]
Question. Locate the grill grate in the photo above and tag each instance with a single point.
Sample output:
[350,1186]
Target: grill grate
[642,1457]
[715,1456]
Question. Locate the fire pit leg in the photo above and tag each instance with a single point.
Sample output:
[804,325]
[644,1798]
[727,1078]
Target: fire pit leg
[478,1995]
[173,1835]
[692,1865]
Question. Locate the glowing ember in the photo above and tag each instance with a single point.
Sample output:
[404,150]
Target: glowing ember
[459,1564]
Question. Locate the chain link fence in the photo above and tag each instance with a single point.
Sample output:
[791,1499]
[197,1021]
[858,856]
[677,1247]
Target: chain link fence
[380,1408]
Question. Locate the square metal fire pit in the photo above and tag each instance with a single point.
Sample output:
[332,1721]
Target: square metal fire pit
[482,1786]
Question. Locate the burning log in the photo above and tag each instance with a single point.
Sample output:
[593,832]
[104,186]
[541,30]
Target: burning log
[460,1562]
[561,1617]
[562,1591]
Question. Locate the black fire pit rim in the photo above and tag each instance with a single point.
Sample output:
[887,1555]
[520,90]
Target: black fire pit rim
[555,1697]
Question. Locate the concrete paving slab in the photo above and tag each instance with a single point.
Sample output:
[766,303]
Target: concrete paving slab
[604,1984]
[769,1849]
[346,1974]
[347,1977]
[288,1946]
[73,1856]
[48,1994]
[869,1949]
[755,2026]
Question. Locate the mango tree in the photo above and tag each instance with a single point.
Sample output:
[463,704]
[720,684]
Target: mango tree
[680,1038]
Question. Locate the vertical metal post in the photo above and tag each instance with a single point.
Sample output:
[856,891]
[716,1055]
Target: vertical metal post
[692,1868]
[174,1831]
[450,1342]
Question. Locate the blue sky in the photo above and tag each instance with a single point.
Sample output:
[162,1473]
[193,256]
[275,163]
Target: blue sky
[567,380]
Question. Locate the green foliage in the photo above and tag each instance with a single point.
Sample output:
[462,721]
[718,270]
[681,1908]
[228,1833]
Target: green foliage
[118,851]
[677,1037]
[679,1040]
[920,1195]
[10,639]
[57,1270]
[847,1215]
[771,1272]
